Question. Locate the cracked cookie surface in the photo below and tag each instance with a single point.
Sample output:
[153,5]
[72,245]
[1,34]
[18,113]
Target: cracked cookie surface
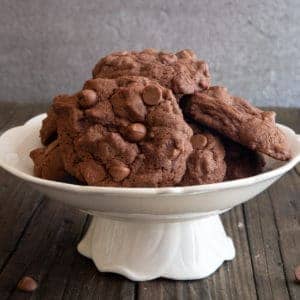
[128,131]
[237,119]
[206,163]
[48,162]
[181,72]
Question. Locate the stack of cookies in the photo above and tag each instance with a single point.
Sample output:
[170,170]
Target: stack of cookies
[151,119]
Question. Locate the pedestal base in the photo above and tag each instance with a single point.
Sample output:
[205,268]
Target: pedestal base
[147,250]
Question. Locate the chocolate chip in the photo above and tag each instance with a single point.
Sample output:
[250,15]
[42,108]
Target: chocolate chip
[136,132]
[136,107]
[297,274]
[204,83]
[187,53]
[199,141]
[92,172]
[129,106]
[119,171]
[168,58]
[152,94]
[87,98]
[27,284]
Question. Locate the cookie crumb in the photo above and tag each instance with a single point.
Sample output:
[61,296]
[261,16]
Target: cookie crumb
[27,284]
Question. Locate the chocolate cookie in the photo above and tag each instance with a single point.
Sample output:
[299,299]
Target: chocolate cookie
[241,162]
[237,119]
[48,163]
[123,132]
[48,132]
[181,72]
[206,164]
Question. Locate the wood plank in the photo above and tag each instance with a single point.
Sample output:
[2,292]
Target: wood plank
[160,289]
[268,264]
[234,279]
[15,209]
[263,241]
[86,282]
[18,204]
[66,274]
[49,249]
[45,252]
[285,197]
[288,116]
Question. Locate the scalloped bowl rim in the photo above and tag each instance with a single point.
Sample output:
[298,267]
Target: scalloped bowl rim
[148,190]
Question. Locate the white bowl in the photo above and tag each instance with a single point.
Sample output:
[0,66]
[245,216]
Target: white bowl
[144,233]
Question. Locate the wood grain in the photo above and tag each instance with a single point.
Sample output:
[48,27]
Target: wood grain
[38,237]
[15,210]
[286,205]
[265,253]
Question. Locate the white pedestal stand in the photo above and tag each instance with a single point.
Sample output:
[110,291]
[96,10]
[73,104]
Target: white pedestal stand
[147,250]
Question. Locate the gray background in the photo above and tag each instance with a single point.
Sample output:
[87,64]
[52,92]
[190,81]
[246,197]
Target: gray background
[49,47]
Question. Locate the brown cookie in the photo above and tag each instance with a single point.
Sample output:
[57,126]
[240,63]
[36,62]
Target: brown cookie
[181,72]
[48,132]
[238,120]
[241,162]
[206,164]
[48,163]
[123,132]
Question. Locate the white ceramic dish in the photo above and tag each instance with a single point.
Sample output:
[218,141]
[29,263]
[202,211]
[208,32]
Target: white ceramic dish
[145,233]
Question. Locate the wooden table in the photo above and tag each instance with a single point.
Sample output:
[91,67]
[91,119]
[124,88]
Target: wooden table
[38,238]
